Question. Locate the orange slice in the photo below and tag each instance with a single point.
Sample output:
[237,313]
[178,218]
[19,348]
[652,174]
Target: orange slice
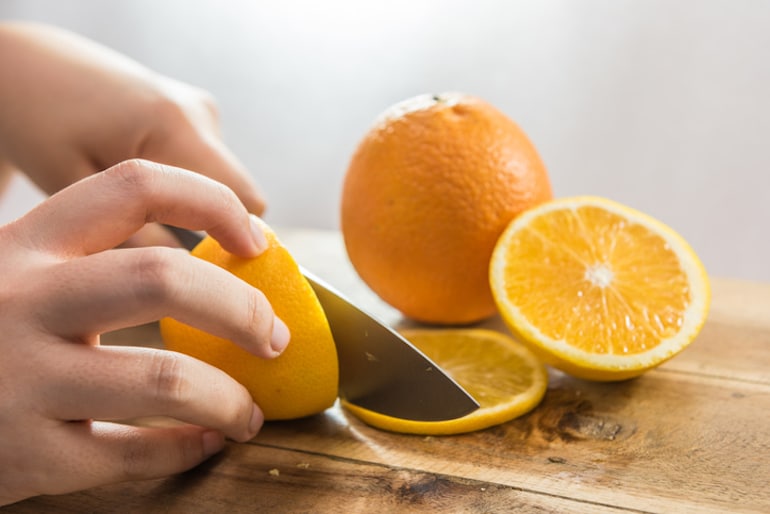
[598,289]
[502,375]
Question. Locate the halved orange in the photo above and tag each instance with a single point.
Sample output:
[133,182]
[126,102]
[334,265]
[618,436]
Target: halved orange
[303,380]
[598,289]
[502,375]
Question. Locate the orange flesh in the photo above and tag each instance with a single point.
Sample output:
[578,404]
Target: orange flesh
[602,264]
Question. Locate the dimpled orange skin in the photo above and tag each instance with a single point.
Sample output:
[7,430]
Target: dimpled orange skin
[427,193]
[303,380]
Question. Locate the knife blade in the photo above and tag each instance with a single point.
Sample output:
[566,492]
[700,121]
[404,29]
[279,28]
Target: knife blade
[378,368]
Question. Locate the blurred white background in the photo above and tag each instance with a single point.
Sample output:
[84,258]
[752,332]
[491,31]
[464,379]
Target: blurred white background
[662,105]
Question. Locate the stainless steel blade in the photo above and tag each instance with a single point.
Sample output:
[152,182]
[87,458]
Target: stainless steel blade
[383,372]
[379,369]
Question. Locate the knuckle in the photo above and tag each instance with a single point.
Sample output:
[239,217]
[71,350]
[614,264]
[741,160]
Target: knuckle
[225,196]
[154,275]
[259,317]
[237,410]
[180,103]
[133,176]
[226,202]
[170,384]
[209,103]
[169,112]
[145,457]
[179,106]
[137,456]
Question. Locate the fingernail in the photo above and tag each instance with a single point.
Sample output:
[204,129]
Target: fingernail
[256,232]
[213,442]
[279,339]
[257,418]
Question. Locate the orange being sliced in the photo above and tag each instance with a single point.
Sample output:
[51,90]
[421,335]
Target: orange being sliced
[300,382]
[502,375]
[597,289]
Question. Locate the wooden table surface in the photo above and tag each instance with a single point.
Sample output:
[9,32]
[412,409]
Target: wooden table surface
[690,436]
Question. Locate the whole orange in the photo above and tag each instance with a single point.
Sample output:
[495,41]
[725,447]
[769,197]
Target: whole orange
[427,193]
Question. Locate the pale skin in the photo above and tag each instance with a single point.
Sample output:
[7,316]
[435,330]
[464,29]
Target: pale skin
[71,110]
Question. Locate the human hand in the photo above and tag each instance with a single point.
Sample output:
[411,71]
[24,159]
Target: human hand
[70,107]
[61,285]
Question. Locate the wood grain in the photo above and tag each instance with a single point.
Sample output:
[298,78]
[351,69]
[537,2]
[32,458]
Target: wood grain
[259,478]
[690,436]
[644,444]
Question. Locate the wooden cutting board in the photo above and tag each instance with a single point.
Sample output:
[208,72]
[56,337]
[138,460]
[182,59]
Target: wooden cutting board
[690,436]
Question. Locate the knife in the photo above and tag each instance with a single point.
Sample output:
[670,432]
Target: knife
[379,369]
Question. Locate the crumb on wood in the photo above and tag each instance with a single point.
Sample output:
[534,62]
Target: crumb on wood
[274,472]
[303,465]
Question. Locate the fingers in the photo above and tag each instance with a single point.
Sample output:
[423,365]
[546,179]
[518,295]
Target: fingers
[127,287]
[100,453]
[218,162]
[108,383]
[212,158]
[103,210]
[187,135]
[221,164]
